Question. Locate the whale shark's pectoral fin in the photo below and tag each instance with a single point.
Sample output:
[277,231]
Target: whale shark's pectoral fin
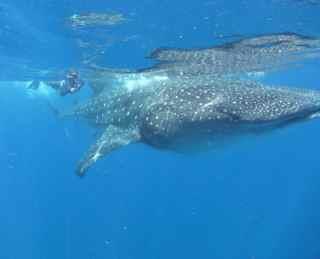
[111,139]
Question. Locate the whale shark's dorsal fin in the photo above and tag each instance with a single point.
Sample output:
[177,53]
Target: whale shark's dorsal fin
[112,138]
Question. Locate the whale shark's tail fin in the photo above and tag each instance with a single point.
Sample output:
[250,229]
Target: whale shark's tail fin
[112,138]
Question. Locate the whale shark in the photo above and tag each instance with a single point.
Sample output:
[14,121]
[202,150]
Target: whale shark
[173,118]
[183,103]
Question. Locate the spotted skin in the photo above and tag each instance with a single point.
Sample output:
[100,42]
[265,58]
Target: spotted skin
[261,53]
[174,115]
[235,109]
[111,139]
[192,98]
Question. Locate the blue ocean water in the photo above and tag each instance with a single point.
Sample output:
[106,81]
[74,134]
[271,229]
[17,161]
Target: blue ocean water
[255,199]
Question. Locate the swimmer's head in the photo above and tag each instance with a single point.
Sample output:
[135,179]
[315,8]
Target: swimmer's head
[72,83]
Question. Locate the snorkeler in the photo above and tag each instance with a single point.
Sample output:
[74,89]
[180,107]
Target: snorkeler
[70,85]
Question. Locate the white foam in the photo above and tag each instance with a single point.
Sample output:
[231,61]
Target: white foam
[140,81]
[43,91]
[256,74]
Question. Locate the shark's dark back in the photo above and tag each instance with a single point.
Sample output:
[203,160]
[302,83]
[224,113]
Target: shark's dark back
[222,108]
